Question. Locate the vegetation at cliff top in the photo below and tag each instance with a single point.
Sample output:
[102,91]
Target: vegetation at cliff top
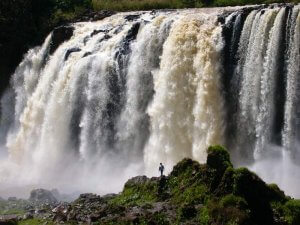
[125,5]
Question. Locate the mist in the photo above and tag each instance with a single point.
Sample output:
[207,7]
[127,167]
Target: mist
[279,168]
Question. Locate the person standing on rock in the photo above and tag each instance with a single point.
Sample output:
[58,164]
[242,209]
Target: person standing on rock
[161,169]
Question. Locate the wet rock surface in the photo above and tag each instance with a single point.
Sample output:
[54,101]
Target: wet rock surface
[60,35]
[90,15]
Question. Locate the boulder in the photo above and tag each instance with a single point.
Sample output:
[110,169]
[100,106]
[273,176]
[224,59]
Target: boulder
[135,181]
[42,196]
[60,35]
[9,220]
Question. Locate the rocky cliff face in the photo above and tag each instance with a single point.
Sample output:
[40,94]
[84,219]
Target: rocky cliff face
[25,24]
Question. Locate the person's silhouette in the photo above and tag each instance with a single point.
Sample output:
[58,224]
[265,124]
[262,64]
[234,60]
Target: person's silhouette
[161,169]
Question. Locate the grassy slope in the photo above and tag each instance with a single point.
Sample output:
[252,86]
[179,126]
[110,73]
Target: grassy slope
[214,193]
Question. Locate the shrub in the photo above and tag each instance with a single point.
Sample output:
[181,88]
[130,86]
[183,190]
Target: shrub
[231,214]
[187,212]
[218,158]
[292,212]
[234,201]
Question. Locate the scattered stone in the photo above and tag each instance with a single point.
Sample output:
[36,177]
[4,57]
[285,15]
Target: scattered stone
[27,216]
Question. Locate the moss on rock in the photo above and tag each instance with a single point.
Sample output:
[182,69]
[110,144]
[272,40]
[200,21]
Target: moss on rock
[218,158]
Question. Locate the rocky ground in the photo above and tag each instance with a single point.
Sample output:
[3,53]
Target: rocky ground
[214,193]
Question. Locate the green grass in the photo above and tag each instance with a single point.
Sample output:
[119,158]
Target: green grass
[292,212]
[137,194]
[131,5]
[32,222]
[7,208]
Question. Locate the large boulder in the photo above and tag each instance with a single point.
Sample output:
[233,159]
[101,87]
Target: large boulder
[60,35]
[42,196]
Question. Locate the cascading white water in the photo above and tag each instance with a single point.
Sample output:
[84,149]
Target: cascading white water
[253,70]
[268,79]
[136,89]
[292,113]
[186,112]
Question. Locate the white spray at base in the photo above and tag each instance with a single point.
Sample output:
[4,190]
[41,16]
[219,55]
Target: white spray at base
[136,89]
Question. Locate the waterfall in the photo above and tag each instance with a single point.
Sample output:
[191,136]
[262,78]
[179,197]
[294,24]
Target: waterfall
[135,89]
[291,133]
[186,113]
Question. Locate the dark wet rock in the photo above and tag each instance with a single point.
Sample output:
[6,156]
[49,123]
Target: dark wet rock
[124,48]
[90,15]
[42,196]
[86,54]
[70,51]
[99,31]
[132,17]
[60,35]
